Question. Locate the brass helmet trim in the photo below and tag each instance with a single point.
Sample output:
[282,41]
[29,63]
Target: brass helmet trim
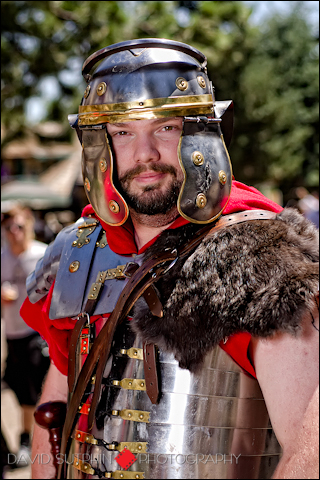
[148,109]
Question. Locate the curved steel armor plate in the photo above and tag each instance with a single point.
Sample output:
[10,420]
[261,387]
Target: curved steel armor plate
[72,286]
[40,280]
[212,424]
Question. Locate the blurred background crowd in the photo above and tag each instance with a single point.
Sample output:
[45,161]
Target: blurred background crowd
[262,55]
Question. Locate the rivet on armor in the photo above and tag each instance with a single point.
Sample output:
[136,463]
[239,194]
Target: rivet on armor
[114,207]
[101,89]
[103,165]
[222,177]
[201,82]
[87,184]
[197,158]
[141,416]
[182,83]
[87,91]
[142,384]
[129,415]
[139,447]
[201,200]
[74,266]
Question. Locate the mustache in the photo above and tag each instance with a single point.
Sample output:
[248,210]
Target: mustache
[158,168]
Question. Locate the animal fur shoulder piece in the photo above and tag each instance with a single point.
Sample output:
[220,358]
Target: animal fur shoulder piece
[259,276]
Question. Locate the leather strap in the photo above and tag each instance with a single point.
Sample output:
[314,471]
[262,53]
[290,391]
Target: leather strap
[145,276]
[150,371]
[72,359]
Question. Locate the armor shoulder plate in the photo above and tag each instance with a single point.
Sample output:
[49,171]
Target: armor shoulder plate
[41,279]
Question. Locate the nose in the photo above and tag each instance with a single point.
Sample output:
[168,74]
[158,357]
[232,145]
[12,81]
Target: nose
[146,149]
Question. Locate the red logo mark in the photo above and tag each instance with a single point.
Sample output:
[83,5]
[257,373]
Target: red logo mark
[125,458]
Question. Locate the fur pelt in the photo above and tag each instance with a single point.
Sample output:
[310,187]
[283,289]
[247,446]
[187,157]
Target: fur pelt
[259,276]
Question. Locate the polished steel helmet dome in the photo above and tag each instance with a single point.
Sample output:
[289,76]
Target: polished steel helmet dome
[147,79]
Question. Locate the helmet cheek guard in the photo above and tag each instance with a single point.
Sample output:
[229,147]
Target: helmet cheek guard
[150,79]
[97,171]
[207,170]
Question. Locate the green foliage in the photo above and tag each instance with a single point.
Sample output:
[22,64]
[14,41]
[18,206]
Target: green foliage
[272,75]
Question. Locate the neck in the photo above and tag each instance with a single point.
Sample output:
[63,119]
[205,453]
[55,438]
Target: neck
[146,227]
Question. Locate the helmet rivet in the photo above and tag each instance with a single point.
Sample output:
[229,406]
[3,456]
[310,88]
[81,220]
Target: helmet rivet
[74,266]
[201,82]
[222,177]
[197,158]
[87,91]
[114,207]
[201,200]
[103,165]
[101,89]
[87,184]
[182,83]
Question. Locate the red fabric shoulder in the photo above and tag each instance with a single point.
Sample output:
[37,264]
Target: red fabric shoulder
[237,346]
[56,332]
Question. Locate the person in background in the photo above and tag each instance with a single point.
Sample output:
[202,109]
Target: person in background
[27,361]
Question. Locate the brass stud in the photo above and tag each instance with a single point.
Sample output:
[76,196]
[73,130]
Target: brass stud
[101,89]
[201,81]
[201,200]
[222,177]
[129,414]
[103,165]
[141,416]
[114,207]
[79,435]
[130,384]
[85,466]
[139,447]
[197,158]
[137,476]
[87,91]
[87,184]
[181,83]
[74,266]
[121,475]
[141,384]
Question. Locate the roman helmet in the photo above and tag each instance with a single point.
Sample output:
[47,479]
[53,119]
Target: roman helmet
[148,79]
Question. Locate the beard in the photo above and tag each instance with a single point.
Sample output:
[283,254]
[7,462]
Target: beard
[151,201]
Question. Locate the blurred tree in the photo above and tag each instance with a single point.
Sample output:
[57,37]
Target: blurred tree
[280,87]
[271,75]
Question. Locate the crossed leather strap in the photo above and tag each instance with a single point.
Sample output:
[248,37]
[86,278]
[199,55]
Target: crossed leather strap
[139,284]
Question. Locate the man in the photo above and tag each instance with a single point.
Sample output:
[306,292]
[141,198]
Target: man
[214,310]
[27,361]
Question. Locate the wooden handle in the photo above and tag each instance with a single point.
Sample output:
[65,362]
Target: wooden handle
[51,416]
